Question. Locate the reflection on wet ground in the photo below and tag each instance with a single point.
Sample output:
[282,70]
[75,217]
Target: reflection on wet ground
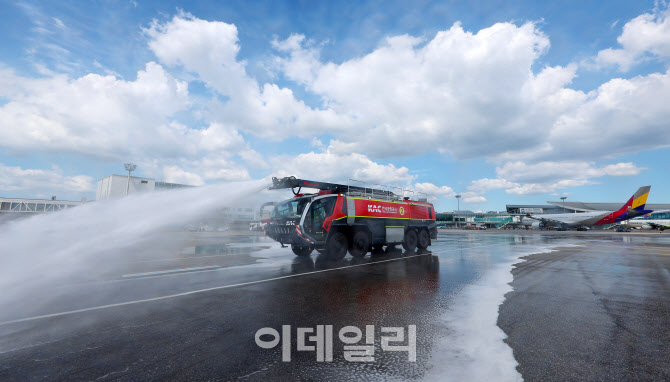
[322,261]
[192,312]
[594,311]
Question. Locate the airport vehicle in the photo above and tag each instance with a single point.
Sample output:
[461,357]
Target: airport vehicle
[340,218]
[634,207]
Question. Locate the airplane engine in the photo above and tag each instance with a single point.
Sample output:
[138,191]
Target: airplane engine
[536,225]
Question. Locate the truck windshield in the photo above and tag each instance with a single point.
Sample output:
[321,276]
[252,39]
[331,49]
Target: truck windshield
[290,209]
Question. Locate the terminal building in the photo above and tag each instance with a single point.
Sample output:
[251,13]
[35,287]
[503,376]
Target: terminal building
[522,209]
[470,219]
[12,208]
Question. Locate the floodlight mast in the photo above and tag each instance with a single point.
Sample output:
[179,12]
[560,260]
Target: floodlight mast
[458,198]
[130,167]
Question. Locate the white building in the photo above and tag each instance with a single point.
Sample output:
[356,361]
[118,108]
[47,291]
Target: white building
[118,186]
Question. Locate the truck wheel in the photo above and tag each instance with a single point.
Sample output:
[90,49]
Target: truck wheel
[301,251]
[410,240]
[359,244]
[337,246]
[423,240]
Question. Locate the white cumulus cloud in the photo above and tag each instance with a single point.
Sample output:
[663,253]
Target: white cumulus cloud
[15,178]
[431,189]
[475,199]
[410,96]
[521,178]
[208,49]
[486,184]
[621,116]
[339,168]
[96,116]
[467,94]
[643,37]
[175,174]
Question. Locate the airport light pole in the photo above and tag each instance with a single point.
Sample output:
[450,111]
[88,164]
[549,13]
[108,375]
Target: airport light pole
[458,198]
[563,199]
[130,168]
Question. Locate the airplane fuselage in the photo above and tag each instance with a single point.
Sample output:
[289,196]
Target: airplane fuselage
[649,223]
[633,208]
[590,218]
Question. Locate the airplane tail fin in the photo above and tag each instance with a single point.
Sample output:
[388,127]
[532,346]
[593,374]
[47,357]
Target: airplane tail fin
[638,200]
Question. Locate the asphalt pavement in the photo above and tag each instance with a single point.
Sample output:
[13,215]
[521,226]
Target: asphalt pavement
[596,311]
[197,311]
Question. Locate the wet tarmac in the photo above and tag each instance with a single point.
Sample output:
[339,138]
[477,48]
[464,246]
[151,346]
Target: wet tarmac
[596,311]
[193,312]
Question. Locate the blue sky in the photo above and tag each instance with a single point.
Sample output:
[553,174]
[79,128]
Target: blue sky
[502,102]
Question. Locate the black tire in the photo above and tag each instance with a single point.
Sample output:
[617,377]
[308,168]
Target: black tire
[410,241]
[302,250]
[360,244]
[337,245]
[423,239]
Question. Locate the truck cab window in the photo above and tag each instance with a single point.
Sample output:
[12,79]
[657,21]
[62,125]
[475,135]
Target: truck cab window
[318,212]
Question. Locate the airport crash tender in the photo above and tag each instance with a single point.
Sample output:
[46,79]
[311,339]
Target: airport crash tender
[341,218]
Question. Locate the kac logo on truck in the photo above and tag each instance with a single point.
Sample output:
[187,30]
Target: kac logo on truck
[383,209]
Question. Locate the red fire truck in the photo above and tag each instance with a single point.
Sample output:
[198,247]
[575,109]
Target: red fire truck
[341,218]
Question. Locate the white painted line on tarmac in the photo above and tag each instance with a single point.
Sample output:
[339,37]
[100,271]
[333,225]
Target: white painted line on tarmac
[192,292]
[170,271]
[100,307]
[233,266]
[194,257]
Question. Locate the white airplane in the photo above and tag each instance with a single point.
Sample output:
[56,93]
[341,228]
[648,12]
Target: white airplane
[648,222]
[631,209]
[660,224]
